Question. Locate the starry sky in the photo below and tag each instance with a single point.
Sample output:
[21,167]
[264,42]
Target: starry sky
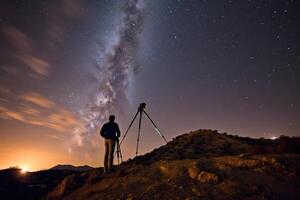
[66,65]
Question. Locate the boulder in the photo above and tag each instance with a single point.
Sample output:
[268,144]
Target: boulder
[193,172]
[207,177]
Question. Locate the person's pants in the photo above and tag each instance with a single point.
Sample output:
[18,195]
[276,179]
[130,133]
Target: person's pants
[109,153]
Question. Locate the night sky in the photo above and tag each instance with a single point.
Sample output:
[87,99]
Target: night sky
[65,65]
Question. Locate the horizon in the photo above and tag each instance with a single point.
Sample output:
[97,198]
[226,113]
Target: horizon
[65,66]
[45,169]
[26,169]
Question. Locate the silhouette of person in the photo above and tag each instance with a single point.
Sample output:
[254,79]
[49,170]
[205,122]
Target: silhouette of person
[111,132]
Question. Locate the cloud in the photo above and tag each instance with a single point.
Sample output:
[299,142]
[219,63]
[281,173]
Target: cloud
[38,99]
[22,50]
[63,120]
[15,115]
[72,8]
[9,114]
[5,90]
[19,45]
[37,110]
[37,65]
[5,94]
[31,111]
[16,38]
[11,69]
[59,20]
[41,112]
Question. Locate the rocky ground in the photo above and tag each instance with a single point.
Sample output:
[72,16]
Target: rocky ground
[199,165]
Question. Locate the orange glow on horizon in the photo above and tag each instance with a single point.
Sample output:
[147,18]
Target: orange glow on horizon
[36,148]
[24,169]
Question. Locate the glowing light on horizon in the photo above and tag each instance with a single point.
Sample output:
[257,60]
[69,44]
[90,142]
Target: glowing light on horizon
[273,138]
[24,169]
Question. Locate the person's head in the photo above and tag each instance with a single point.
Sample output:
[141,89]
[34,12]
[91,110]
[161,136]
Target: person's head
[111,118]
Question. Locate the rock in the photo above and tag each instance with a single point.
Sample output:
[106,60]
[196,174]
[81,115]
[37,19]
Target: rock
[193,172]
[207,177]
[271,165]
[244,155]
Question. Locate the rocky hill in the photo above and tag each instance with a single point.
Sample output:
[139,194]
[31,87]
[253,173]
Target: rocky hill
[199,165]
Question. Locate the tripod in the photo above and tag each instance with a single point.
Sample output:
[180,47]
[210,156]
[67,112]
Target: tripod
[141,110]
[119,153]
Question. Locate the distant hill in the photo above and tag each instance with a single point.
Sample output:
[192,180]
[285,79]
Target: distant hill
[72,168]
[33,185]
[15,185]
[203,164]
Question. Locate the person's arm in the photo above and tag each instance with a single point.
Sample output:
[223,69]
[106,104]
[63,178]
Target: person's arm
[102,133]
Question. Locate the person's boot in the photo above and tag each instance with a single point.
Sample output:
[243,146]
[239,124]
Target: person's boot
[111,170]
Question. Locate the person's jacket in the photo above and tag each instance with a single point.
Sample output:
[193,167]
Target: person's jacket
[110,130]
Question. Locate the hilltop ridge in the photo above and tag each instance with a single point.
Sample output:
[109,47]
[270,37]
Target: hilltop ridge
[201,164]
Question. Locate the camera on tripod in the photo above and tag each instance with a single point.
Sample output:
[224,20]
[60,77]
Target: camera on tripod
[140,112]
[142,106]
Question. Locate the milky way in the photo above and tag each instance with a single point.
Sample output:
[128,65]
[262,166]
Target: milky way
[112,73]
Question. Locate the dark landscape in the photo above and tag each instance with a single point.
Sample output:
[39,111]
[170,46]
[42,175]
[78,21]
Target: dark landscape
[202,164]
[15,184]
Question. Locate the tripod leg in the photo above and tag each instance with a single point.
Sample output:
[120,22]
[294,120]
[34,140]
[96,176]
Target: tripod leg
[121,156]
[129,127]
[155,127]
[120,152]
[139,132]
